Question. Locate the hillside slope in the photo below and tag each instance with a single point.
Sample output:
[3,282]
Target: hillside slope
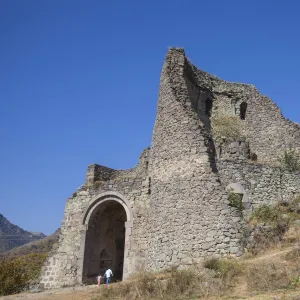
[43,245]
[12,236]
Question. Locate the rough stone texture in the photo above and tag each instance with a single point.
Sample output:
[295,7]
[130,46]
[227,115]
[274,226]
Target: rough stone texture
[175,201]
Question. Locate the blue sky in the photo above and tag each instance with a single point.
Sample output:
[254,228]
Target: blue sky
[79,83]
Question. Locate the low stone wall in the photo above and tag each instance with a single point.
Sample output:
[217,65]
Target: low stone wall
[263,184]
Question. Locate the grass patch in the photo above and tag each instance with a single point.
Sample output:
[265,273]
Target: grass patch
[274,225]
[225,269]
[269,276]
[293,255]
[228,127]
[178,284]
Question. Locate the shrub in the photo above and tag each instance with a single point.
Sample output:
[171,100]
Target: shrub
[290,160]
[16,274]
[277,224]
[226,269]
[228,127]
[266,213]
[266,237]
[235,200]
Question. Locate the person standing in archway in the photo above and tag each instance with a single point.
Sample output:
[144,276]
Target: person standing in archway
[99,279]
[108,274]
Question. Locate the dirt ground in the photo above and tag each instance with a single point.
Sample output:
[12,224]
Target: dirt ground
[239,292]
[88,293]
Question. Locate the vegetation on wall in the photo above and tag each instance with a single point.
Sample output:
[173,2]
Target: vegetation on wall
[290,160]
[272,223]
[227,127]
[236,200]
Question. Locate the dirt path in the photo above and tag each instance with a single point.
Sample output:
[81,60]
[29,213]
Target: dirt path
[274,254]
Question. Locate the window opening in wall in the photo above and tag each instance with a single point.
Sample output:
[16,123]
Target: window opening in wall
[208,107]
[243,108]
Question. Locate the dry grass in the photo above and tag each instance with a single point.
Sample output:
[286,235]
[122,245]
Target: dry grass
[225,269]
[279,227]
[178,284]
[294,254]
[265,276]
[228,127]
[292,235]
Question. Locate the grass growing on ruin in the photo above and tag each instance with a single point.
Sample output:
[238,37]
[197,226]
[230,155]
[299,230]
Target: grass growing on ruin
[290,160]
[236,201]
[228,127]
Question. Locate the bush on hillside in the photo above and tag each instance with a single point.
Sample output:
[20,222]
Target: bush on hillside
[272,225]
[224,268]
[266,213]
[12,278]
[16,274]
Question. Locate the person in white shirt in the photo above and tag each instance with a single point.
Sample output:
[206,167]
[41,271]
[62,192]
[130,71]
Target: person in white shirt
[108,274]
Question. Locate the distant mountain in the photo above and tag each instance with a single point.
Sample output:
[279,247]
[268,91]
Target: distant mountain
[12,236]
[44,245]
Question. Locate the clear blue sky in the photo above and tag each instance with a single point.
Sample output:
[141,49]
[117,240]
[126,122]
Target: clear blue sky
[79,83]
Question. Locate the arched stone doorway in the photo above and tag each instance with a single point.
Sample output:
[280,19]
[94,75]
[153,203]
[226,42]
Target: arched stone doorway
[105,238]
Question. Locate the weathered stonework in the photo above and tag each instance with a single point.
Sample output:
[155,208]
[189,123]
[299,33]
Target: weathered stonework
[172,208]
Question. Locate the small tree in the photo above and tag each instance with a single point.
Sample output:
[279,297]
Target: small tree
[290,160]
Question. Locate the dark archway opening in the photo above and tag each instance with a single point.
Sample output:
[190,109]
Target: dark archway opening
[208,107]
[243,109]
[105,242]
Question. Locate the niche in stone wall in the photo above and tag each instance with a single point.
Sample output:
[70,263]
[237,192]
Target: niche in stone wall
[243,109]
[208,107]
[105,259]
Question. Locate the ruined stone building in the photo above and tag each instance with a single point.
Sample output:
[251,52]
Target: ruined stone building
[172,208]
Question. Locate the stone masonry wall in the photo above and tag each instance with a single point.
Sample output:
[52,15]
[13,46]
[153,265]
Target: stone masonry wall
[177,193]
[263,184]
[61,268]
[188,213]
[268,132]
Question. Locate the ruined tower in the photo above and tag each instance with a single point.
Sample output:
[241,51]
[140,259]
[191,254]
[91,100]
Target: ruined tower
[172,208]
